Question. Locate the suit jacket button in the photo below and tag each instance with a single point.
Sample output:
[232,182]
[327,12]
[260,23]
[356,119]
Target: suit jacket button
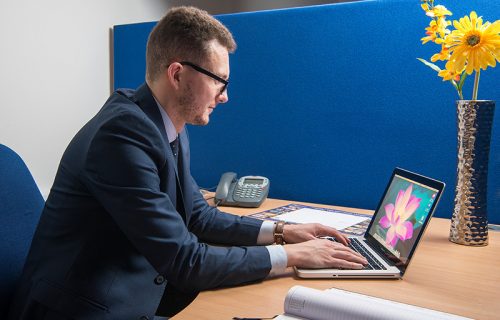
[159,279]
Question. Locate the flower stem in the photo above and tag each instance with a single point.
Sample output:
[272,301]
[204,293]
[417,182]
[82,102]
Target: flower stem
[476,85]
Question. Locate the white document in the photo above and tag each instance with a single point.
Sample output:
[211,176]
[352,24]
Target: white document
[334,304]
[335,220]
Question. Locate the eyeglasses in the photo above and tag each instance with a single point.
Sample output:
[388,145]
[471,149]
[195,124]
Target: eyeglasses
[208,73]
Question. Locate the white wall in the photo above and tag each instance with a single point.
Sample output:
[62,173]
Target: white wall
[55,71]
[55,67]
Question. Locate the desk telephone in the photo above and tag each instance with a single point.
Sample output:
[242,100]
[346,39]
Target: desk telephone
[248,191]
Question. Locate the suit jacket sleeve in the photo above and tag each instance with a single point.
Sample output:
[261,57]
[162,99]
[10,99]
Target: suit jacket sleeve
[122,171]
[214,226]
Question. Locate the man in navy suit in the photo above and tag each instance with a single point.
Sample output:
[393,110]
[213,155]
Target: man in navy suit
[125,232]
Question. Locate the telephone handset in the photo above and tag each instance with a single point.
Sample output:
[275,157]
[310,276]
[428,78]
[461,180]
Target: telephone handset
[248,191]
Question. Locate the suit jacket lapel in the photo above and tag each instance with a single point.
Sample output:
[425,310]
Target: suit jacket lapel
[144,98]
[185,173]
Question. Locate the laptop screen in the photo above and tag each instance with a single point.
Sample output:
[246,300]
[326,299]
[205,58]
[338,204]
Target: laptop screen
[403,214]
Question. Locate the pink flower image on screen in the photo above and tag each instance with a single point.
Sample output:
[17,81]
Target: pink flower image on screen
[396,216]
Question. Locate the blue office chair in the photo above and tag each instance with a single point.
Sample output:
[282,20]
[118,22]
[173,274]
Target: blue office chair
[21,204]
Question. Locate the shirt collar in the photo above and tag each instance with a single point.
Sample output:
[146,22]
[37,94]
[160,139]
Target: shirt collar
[169,126]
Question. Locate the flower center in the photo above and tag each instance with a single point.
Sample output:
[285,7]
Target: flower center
[473,40]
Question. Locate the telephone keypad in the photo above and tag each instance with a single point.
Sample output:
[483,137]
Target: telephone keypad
[248,192]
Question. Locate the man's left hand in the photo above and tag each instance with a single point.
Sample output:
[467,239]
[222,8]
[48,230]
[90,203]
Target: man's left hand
[295,233]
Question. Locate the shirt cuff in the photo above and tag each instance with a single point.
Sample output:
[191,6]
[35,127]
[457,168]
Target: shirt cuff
[266,233]
[279,259]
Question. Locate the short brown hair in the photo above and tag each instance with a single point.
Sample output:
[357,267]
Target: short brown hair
[183,33]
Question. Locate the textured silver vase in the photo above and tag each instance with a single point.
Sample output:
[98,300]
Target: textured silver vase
[469,223]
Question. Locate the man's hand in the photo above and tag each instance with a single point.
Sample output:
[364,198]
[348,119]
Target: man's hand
[295,233]
[322,253]
[304,249]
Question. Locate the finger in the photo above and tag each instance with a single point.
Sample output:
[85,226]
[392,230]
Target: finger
[339,263]
[332,232]
[340,236]
[343,249]
[342,239]
[350,256]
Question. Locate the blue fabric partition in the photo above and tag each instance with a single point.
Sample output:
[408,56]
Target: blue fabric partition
[327,100]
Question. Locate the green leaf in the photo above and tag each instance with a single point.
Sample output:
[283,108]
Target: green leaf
[462,79]
[429,64]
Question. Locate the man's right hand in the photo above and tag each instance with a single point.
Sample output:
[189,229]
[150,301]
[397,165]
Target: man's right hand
[322,253]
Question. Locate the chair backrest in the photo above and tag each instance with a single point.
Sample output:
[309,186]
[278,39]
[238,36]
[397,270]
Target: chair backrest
[21,204]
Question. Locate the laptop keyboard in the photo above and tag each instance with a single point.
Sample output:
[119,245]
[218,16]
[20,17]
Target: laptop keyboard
[373,263]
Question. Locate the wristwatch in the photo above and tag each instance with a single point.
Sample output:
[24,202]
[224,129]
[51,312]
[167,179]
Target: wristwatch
[278,232]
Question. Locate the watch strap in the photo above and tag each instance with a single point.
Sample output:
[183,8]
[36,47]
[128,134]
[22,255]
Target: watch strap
[278,232]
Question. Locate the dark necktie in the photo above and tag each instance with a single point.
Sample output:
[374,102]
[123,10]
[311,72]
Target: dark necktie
[174,145]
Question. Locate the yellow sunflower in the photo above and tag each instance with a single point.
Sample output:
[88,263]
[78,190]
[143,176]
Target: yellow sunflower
[474,45]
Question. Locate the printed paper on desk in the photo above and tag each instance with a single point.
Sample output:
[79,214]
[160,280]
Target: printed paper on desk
[303,303]
[336,220]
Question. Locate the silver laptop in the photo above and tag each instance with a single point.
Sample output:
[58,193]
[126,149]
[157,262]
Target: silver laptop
[395,229]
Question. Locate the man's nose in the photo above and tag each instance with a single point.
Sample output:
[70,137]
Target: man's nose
[223,97]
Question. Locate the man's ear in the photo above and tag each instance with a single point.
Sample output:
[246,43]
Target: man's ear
[174,74]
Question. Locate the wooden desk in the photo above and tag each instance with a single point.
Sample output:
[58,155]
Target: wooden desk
[442,276]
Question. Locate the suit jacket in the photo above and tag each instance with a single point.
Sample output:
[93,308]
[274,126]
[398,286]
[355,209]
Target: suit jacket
[110,239]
